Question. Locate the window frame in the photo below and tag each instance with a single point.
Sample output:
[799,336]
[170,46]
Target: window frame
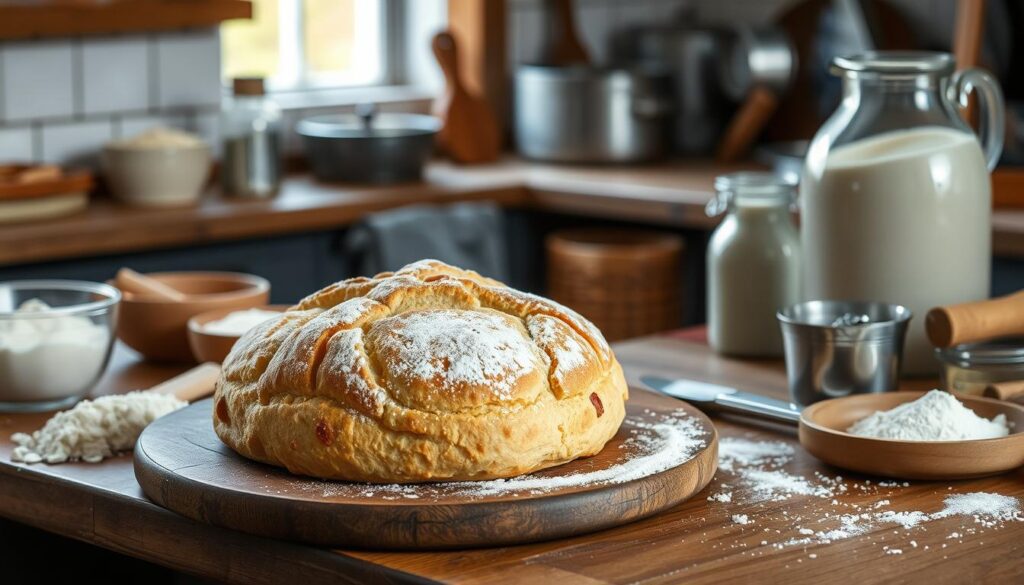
[391,44]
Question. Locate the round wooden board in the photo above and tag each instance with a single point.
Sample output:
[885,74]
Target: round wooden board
[182,465]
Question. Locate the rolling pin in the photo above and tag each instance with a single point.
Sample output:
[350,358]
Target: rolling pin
[1006,390]
[192,385]
[977,321]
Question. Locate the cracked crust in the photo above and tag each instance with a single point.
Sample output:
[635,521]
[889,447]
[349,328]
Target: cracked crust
[429,373]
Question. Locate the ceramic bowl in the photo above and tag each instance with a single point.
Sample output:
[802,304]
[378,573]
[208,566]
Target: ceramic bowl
[214,347]
[158,329]
[156,177]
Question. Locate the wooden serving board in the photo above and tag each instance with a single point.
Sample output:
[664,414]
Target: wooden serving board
[182,465]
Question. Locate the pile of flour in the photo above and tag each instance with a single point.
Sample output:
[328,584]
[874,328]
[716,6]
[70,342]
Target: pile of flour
[94,429]
[936,416]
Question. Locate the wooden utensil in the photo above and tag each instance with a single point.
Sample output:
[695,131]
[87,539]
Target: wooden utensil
[1013,390]
[182,465]
[970,22]
[747,124]
[130,281]
[470,132]
[822,431]
[976,321]
[563,46]
[191,385]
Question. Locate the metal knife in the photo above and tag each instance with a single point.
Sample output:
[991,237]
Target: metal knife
[725,399]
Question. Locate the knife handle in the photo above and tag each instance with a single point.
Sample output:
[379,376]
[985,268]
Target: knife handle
[759,406]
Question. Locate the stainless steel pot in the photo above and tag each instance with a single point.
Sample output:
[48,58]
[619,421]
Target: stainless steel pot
[591,115]
[368,147]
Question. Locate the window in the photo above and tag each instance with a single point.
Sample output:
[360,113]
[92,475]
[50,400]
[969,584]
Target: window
[310,44]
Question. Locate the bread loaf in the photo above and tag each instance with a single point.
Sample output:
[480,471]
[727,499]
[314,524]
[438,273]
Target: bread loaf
[430,373]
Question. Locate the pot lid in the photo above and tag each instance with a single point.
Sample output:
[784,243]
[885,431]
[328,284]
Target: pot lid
[368,123]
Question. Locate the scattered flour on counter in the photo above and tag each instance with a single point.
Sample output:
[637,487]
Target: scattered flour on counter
[987,509]
[840,509]
[94,429]
[734,453]
[936,416]
[778,485]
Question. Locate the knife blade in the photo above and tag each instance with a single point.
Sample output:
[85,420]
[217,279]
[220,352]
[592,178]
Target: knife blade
[715,397]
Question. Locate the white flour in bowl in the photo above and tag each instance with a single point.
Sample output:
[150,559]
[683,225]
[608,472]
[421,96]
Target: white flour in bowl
[936,416]
[49,357]
[94,429]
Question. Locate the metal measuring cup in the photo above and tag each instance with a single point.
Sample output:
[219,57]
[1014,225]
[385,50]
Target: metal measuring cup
[838,348]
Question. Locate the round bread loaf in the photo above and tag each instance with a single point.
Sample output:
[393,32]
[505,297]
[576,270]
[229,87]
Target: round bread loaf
[430,373]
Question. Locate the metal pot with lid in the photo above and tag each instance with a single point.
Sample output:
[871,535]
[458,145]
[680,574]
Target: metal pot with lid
[588,114]
[367,146]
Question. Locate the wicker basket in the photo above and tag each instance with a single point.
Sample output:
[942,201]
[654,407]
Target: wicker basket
[626,281]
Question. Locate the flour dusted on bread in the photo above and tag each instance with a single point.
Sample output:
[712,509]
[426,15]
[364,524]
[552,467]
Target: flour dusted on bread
[430,373]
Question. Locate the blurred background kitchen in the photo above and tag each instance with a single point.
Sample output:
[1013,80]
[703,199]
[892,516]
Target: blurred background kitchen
[205,135]
[569,148]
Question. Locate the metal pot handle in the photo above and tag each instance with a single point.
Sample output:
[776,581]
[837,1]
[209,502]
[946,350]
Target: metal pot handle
[647,106]
[991,129]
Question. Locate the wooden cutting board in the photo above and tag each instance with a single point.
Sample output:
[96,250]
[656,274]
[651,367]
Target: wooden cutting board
[182,465]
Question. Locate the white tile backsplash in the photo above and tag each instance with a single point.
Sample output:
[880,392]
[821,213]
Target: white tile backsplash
[188,69]
[37,80]
[115,75]
[16,144]
[75,143]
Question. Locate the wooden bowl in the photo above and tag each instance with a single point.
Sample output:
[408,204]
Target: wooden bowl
[158,329]
[823,426]
[213,347]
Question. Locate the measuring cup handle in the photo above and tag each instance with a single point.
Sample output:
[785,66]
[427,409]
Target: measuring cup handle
[991,129]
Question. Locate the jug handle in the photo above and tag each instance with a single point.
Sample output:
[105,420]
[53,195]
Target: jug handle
[991,128]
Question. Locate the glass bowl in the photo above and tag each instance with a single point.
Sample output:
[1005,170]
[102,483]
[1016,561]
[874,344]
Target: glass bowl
[56,338]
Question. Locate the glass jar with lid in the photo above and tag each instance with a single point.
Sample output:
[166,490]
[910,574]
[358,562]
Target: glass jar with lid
[895,195]
[753,263]
[251,129]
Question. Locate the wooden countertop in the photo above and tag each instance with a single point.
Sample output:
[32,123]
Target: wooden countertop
[672,194]
[696,542]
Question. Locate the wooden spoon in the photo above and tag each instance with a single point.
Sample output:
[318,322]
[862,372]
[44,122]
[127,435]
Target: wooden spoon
[563,46]
[470,132]
[822,431]
[130,281]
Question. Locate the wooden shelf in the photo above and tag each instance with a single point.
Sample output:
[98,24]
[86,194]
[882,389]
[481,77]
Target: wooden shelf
[47,19]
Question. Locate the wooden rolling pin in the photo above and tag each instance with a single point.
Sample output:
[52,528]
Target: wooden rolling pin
[191,385]
[1013,390]
[977,321]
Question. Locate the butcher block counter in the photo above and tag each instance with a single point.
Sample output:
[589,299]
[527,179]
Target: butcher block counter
[726,533]
[670,194]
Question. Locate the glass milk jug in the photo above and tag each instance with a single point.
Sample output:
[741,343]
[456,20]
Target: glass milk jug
[895,195]
[753,263]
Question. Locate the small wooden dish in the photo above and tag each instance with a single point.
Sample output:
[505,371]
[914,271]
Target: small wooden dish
[158,329]
[213,347]
[823,426]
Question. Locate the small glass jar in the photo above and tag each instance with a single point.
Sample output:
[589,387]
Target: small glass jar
[251,127]
[970,368]
[753,263]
